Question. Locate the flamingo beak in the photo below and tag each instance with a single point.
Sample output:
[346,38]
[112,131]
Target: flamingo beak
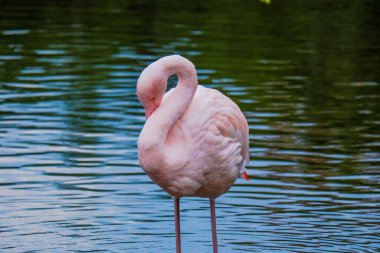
[150,110]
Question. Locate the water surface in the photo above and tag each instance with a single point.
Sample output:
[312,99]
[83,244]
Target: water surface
[306,76]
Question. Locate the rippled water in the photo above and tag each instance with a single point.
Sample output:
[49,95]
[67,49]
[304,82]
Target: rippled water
[305,74]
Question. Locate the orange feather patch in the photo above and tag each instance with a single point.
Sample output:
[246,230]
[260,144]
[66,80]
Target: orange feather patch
[245,175]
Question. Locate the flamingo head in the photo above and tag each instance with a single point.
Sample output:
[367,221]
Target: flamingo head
[151,89]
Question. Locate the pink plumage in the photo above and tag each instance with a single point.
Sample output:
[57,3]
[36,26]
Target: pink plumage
[195,140]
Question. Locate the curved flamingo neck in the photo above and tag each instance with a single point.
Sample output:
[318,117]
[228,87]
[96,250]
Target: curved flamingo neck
[160,122]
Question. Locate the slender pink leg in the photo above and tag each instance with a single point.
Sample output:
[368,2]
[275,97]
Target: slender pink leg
[213,226]
[177,225]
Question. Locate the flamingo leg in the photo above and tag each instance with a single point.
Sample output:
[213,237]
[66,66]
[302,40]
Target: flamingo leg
[177,225]
[213,226]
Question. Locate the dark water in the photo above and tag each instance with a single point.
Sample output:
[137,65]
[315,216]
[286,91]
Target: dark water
[306,75]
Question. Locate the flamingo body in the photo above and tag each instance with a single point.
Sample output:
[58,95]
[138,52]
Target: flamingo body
[205,148]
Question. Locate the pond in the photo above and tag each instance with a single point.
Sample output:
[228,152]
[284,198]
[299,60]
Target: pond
[306,74]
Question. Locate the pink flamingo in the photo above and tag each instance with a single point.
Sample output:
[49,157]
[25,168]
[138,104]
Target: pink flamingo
[195,139]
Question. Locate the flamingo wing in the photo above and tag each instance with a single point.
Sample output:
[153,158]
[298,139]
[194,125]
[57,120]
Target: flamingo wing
[230,122]
[209,144]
